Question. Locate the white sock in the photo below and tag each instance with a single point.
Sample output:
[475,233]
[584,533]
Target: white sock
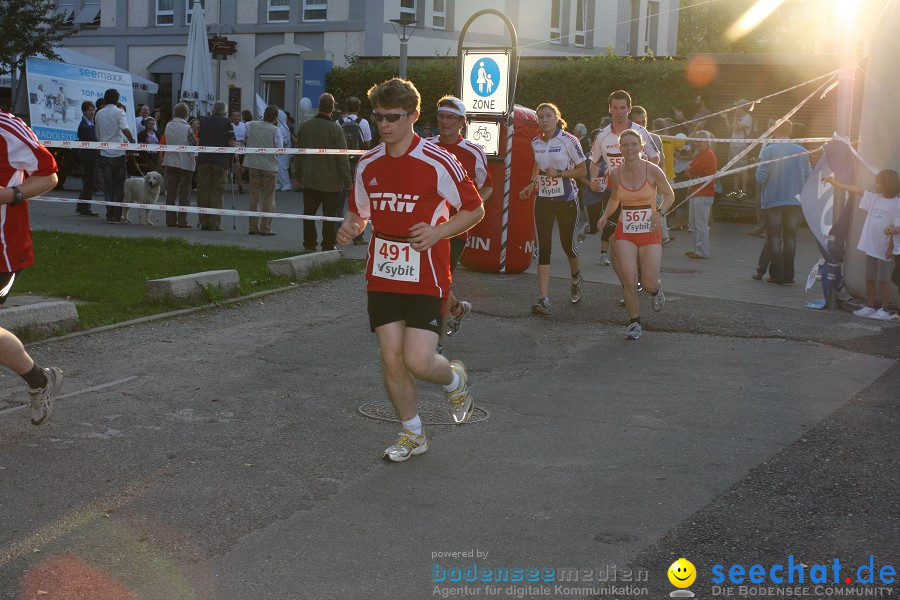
[414,425]
[453,384]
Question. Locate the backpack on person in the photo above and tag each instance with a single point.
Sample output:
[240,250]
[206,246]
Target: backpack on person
[352,132]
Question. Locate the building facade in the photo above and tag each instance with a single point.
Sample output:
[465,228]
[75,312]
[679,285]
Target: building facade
[276,38]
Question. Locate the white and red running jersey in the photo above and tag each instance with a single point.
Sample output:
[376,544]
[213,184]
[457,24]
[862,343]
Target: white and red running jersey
[606,146]
[563,153]
[472,158]
[20,153]
[395,193]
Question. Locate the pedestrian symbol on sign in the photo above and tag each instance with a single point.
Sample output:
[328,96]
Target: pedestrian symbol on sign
[485,77]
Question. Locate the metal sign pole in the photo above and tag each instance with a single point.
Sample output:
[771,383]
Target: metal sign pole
[513,68]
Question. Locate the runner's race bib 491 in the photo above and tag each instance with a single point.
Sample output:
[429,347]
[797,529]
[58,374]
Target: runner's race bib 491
[396,261]
[550,186]
[636,220]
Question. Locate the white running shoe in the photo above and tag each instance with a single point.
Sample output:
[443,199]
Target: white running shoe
[634,331]
[881,315]
[583,232]
[865,311]
[659,300]
[461,403]
[604,259]
[42,398]
[453,323]
[406,445]
[541,307]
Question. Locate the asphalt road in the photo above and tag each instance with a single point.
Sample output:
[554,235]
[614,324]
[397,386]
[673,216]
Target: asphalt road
[227,458]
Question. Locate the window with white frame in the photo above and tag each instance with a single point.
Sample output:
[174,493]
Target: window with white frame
[278,11]
[165,13]
[584,16]
[651,35]
[315,11]
[189,9]
[408,9]
[556,22]
[439,16]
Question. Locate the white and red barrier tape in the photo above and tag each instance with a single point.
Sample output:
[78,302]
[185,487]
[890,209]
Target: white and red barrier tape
[190,209]
[78,145]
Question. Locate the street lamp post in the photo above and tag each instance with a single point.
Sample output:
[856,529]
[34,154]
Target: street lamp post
[400,28]
[218,57]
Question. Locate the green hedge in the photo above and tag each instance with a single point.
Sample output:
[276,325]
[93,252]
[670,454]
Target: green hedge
[579,86]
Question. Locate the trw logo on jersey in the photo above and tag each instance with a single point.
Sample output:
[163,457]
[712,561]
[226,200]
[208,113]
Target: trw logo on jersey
[393,202]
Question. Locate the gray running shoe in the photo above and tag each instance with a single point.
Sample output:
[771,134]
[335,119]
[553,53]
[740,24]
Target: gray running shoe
[634,331]
[461,403]
[659,300]
[42,398]
[440,349]
[406,445]
[541,307]
[575,291]
[453,323]
[583,232]
[604,259]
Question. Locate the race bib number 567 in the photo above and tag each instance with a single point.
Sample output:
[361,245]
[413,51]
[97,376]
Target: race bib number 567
[636,220]
[395,260]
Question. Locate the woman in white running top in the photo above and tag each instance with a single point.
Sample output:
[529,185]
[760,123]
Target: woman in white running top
[558,162]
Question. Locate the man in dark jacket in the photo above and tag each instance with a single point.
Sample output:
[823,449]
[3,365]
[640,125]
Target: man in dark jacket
[323,176]
[88,159]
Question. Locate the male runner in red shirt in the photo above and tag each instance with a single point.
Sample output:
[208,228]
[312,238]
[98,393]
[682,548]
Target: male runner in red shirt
[20,154]
[407,187]
[451,118]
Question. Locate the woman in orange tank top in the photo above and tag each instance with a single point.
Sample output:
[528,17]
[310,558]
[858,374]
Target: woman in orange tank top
[638,238]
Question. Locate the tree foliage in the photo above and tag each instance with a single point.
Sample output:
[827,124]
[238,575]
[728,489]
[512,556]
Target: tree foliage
[578,86]
[29,28]
[792,27]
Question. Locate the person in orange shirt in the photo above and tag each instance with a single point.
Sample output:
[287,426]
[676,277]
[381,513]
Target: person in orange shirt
[703,165]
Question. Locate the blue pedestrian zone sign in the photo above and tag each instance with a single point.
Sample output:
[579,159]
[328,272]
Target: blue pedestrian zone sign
[485,85]
[485,77]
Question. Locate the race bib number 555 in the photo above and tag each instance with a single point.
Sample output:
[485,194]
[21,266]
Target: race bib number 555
[395,260]
[636,220]
[550,186]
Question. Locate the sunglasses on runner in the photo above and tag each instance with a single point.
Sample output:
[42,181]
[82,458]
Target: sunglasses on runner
[389,117]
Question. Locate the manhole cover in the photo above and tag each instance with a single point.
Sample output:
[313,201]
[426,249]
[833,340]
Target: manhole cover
[431,412]
[677,270]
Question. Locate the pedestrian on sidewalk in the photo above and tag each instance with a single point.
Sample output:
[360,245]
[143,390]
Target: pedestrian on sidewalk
[877,238]
[781,183]
[23,154]
[323,176]
[179,166]
[704,164]
[262,169]
[87,132]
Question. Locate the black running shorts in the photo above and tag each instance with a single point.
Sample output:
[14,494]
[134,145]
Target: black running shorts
[418,311]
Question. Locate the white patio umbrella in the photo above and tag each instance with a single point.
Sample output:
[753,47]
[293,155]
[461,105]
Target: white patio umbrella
[197,87]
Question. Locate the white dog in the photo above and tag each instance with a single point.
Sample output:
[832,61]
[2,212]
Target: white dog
[142,190]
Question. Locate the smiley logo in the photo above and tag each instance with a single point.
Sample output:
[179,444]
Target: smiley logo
[682,573]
